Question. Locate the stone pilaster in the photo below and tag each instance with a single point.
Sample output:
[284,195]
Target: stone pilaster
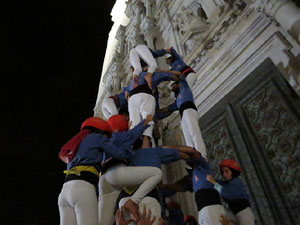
[285,12]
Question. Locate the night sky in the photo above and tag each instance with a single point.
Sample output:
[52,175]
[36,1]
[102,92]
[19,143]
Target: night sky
[51,55]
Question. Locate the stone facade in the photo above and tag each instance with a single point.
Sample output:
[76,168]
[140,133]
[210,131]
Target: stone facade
[225,41]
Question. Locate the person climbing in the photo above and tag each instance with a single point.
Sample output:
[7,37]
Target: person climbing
[189,115]
[142,101]
[233,192]
[83,154]
[140,56]
[207,198]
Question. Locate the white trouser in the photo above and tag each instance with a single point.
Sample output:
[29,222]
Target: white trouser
[139,106]
[108,196]
[210,215]
[109,107]
[245,217]
[120,176]
[77,203]
[191,131]
[143,52]
[191,79]
[150,203]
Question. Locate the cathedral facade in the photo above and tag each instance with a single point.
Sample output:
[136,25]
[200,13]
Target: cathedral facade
[246,54]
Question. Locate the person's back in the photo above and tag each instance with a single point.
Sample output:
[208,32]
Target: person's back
[154,157]
[157,78]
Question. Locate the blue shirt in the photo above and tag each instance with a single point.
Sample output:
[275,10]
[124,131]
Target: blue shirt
[233,189]
[185,94]
[201,170]
[123,103]
[92,148]
[157,53]
[157,78]
[154,157]
[178,64]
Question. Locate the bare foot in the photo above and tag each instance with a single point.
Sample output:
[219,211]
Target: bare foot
[148,79]
[132,208]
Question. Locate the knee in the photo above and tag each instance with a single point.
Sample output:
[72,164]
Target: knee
[158,173]
[152,67]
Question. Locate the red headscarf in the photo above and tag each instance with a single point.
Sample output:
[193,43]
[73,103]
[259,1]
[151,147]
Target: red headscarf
[68,151]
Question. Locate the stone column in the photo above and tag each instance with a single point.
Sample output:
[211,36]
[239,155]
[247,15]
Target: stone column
[149,31]
[284,12]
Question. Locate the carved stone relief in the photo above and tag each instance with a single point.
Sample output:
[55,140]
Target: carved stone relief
[277,130]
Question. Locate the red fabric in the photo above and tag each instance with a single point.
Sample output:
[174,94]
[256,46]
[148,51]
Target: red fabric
[97,123]
[189,218]
[174,205]
[231,164]
[68,151]
[118,122]
[187,71]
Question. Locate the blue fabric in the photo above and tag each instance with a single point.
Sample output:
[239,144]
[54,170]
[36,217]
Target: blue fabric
[233,189]
[157,78]
[123,103]
[125,139]
[129,87]
[178,63]
[185,94]
[173,107]
[157,53]
[122,100]
[176,217]
[92,148]
[153,157]
[161,115]
[201,170]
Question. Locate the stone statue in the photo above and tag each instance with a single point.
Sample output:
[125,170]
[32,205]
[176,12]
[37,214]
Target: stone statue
[188,22]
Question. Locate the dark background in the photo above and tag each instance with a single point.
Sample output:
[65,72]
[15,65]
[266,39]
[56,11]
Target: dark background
[51,56]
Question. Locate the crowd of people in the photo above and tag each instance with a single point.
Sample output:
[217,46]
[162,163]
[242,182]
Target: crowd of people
[114,172]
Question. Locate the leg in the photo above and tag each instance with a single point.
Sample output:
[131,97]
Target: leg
[134,110]
[126,213]
[109,107]
[209,215]
[153,205]
[66,211]
[147,106]
[231,216]
[150,203]
[147,177]
[147,56]
[191,79]
[185,131]
[107,200]
[190,119]
[135,62]
[245,217]
[86,206]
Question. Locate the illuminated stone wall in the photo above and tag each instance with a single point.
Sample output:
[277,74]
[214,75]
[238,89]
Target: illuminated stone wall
[225,41]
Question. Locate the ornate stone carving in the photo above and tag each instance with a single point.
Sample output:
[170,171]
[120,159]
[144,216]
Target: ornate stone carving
[277,131]
[220,36]
[191,27]
[188,22]
[284,11]
[219,145]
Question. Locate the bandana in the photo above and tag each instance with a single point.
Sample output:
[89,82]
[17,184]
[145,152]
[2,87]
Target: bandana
[68,151]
